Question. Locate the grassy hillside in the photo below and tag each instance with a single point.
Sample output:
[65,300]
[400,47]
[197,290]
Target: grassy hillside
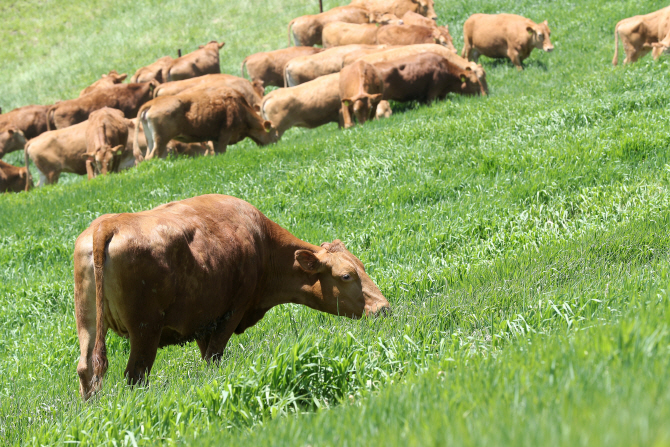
[522,240]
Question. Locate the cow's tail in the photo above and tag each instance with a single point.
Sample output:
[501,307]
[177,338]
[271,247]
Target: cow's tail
[26,160]
[51,125]
[100,239]
[289,32]
[244,62]
[615,61]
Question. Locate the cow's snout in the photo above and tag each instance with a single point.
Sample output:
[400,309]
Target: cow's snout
[549,49]
[383,312]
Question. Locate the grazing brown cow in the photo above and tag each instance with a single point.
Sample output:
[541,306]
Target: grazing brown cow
[383,109]
[200,269]
[361,90]
[57,151]
[113,77]
[126,97]
[425,77]
[310,105]
[200,62]
[307,68]
[398,7]
[268,67]
[202,113]
[504,36]
[138,147]
[307,29]
[106,141]
[20,125]
[157,71]
[415,34]
[337,34]
[252,93]
[14,178]
[642,34]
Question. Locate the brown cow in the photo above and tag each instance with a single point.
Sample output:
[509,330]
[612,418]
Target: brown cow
[504,36]
[361,90]
[106,140]
[200,62]
[14,178]
[642,34]
[202,113]
[307,68]
[252,93]
[113,77]
[415,34]
[138,147]
[126,97]
[398,7]
[20,125]
[307,29]
[337,34]
[310,105]
[268,67]
[200,269]
[157,71]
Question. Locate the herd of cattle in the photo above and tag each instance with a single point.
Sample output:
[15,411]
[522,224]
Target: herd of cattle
[372,51]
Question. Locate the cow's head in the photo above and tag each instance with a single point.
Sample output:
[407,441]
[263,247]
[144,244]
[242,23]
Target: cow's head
[104,160]
[385,19]
[364,105]
[470,83]
[272,132]
[259,87]
[11,139]
[425,8]
[539,35]
[442,37]
[663,45]
[115,76]
[478,70]
[342,287]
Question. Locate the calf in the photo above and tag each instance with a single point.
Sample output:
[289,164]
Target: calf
[361,90]
[113,77]
[138,146]
[415,34]
[200,269]
[14,178]
[336,34]
[268,67]
[310,105]
[398,7]
[504,36]
[307,29]
[200,62]
[126,97]
[642,34]
[106,140]
[202,113]
[20,125]
[158,71]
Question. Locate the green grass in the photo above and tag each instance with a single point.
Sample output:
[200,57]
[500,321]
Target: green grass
[522,240]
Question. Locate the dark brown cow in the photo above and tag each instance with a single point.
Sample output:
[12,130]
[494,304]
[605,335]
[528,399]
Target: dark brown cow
[414,35]
[504,36]
[126,97]
[642,34]
[14,178]
[361,90]
[268,67]
[307,29]
[157,71]
[113,77]
[200,269]
[106,139]
[398,7]
[20,125]
[199,114]
[200,62]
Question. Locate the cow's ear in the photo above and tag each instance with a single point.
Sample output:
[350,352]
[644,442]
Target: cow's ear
[308,261]
[221,45]
[10,131]
[530,30]
[122,77]
[376,97]
[267,125]
[546,23]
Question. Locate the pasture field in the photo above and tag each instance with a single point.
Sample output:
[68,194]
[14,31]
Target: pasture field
[522,239]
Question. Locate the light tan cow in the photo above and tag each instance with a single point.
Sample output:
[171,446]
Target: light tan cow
[337,34]
[504,36]
[267,68]
[642,34]
[307,29]
[202,61]
[106,140]
[310,105]
[361,90]
[398,7]
[157,71]
[113,77]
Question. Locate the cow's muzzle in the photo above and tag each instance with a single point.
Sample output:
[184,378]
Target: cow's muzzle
[548,49]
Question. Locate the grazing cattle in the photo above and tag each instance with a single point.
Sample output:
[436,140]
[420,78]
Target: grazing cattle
[202,113]
[200,269]
[138,147]
[252,93]
[268,67]
[307,68]
[425,77]
[14,178]
[307,29]
[200,62]
[113,77]
[310,105]
[337,34]
[398,7]
[126,97]
[415,34]
[361,90]
[57,151]
[401,52]
[504,36]
[642,34]
[383,109]
[106,140]
[20,125]
[158,71]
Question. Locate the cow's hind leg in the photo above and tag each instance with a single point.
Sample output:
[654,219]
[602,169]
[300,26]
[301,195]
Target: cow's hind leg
[143,348]
[222,143]
[84,309]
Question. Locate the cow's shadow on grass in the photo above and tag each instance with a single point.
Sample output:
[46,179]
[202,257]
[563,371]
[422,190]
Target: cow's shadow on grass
[492,64]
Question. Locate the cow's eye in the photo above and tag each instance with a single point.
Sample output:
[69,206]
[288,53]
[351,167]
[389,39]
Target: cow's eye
[346,277]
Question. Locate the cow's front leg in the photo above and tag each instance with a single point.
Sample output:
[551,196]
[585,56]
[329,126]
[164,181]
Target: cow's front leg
[202,345]
[513,55]
[222,143]
[219,338]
